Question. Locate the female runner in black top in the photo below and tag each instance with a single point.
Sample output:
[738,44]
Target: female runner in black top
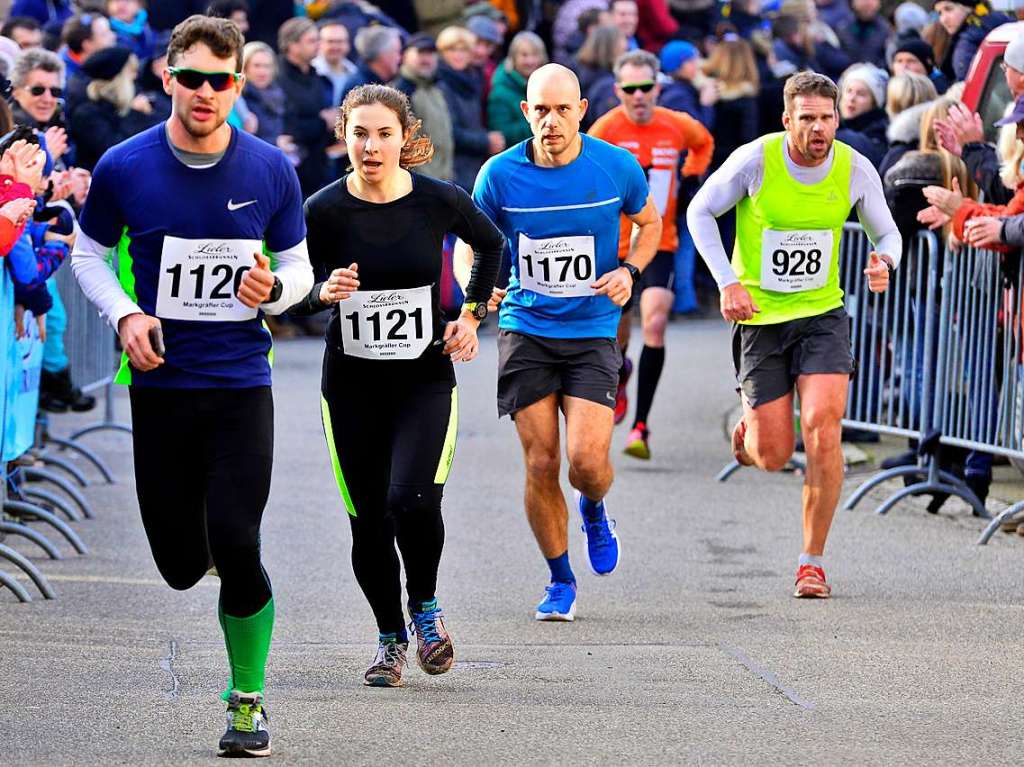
[390,404]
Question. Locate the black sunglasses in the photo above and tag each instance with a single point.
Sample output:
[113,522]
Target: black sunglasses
[193,79]
[632,88]
[39,90]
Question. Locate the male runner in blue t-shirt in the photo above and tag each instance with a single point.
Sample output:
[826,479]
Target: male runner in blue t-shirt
[197,213]
[558,199]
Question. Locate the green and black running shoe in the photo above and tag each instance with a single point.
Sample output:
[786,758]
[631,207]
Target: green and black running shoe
[247,733]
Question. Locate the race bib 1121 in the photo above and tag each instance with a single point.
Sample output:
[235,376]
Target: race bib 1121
[562,267]
[387,324]
[792,262]
[199,279]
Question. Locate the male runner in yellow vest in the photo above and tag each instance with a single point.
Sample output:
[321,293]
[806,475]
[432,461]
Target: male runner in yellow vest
[792,192]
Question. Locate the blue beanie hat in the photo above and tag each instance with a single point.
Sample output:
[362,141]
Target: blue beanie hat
[675,54]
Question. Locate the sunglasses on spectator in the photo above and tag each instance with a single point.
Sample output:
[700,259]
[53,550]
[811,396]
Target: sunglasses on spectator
[193,79]
[645,87]
[39,90]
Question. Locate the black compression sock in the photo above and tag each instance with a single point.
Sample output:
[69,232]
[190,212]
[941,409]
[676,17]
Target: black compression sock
[652,360]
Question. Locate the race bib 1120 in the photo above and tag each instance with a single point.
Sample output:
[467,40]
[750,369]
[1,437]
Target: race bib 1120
[199,279]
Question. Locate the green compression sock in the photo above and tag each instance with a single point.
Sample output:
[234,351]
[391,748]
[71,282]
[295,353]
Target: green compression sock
[248,644]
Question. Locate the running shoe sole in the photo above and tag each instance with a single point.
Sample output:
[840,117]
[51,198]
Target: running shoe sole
[435,670]
[567,617]
[381,681]
[618,560]
[243,753]
[638,449]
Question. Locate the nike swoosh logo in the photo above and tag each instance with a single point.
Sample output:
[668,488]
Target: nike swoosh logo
[609,396]
[233,206]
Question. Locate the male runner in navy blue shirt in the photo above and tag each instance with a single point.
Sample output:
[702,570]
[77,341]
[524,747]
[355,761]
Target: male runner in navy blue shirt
[209,233]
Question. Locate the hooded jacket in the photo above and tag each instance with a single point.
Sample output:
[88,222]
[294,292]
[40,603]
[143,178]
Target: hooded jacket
[904,135]
[866,134]
[463,91]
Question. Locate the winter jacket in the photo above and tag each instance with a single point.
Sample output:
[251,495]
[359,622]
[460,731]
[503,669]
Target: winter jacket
[903,134]
[430,105]
[965,44]
[825,58]
[167,14]
[656,26]
[268,104]
[266,17]
[95,126]
[362,76]
[46,12]
[836,14]
[472,146]
[866,134]
[306,95]
[971,209]
[1013,231]
[736,121]
[137,36]
[600,97]
[982,163]
[508,88]
[683,96]
[904,185]
[865,40]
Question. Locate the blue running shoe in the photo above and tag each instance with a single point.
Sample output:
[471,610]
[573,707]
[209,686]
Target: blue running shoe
[603,545]
[559,604]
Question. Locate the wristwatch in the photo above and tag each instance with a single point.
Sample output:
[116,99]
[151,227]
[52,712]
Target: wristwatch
[633,271]
[477,308]
[276,291]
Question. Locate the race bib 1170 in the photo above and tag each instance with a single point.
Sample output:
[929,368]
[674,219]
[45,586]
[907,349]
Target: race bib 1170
[199,279]
[792,262]
[562,267]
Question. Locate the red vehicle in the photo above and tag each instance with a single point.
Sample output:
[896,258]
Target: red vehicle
[985,90]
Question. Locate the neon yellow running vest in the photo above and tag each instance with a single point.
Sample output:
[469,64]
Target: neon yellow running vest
[787,238]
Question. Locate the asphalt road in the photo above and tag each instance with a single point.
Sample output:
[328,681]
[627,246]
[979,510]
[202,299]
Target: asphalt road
[693,652]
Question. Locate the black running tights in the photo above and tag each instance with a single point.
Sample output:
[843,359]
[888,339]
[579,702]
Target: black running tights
[203,459]
[391,446]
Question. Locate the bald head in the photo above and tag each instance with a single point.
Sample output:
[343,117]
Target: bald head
[554,109]
[553,82]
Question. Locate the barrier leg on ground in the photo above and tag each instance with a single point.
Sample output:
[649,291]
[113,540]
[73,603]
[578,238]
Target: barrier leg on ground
[16,588]
[23,510]
[52,500]
[17,528]
[86,453]
[932,487]
[1004,516]
[31,473]
[65,466]
[728,470]
[883,476]
[109,423]
[30,570]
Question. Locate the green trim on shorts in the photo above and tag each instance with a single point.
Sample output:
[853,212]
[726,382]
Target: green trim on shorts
[444,467]
[325,412]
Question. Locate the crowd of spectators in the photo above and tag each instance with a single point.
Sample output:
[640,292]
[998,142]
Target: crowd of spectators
[86,74]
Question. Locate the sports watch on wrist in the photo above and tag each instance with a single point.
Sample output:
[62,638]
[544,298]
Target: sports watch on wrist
[477,308]
[633,271]
[276,291]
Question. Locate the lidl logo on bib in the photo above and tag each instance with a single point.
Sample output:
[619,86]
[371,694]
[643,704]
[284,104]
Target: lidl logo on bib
[561,267]
[795,261]
[387,324]
[199,279]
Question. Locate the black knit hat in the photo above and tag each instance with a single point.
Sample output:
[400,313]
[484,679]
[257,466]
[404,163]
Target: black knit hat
[106,63]
[919,49]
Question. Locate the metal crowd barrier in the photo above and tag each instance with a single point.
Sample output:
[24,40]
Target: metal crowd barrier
[899,342]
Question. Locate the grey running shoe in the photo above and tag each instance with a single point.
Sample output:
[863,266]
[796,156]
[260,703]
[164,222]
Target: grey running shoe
[247,733]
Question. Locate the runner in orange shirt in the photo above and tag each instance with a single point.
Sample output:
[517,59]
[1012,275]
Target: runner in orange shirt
[657,137]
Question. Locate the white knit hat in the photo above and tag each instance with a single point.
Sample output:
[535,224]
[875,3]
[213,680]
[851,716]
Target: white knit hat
[1014,54]
[874,78]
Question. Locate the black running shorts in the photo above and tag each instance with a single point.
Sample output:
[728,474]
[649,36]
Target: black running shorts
[530,368]
[769,358]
